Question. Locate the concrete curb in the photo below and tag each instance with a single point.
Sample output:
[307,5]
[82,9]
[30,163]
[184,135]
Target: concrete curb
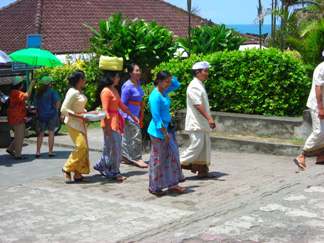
[222,143]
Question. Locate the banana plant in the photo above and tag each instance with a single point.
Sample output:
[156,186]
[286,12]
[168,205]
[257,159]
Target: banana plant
[145,43]
[211,38]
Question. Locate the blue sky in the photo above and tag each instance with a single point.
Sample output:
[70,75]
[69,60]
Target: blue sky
[220,11]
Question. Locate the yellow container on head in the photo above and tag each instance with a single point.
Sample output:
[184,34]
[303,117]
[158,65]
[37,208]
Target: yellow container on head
[111,63]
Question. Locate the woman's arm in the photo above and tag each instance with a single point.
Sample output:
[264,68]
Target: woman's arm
[175,84]
[125,109]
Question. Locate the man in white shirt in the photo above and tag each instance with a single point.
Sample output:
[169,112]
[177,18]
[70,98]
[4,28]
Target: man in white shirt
[199,123]
[314,145]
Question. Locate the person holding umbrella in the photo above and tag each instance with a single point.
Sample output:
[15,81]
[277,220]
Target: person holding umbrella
[47,103]
[16,115]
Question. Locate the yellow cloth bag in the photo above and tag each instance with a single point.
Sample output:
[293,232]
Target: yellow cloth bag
[111,63]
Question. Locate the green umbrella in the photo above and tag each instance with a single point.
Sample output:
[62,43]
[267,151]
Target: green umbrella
[36,57]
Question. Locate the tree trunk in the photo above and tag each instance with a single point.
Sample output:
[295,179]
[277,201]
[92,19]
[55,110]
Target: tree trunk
[189,6]
[272,19]
[260,23]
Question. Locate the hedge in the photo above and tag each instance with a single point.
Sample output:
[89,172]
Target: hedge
[265,82]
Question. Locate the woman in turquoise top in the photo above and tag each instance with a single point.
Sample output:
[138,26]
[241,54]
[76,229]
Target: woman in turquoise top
[165,169]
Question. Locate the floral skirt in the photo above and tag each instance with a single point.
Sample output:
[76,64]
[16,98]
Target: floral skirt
[109,163]
[132,141]
[165,169]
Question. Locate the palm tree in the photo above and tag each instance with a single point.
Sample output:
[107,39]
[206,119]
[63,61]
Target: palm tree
[260,19]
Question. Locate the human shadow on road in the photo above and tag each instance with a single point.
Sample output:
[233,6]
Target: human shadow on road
[8,161]
[215,175]
[97,178]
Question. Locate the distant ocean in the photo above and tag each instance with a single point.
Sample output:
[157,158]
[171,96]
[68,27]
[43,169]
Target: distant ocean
[251,28]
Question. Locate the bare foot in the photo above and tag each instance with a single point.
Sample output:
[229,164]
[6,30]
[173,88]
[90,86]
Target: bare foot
[120,178]
[178,189]
[300,162]
[141,164]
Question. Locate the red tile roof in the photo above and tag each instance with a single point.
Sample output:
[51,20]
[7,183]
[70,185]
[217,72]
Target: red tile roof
[61,21]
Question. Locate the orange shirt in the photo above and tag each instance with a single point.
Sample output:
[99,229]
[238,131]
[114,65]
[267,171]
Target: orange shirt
[17,107]
[111,103]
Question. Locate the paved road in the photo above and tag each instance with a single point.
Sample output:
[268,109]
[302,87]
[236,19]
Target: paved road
[253,198]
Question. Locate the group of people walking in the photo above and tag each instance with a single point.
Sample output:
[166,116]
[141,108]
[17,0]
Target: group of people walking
[121,126]
[123,122]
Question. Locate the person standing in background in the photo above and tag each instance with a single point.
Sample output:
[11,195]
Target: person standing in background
[16,115]
[47,103]
[199,123]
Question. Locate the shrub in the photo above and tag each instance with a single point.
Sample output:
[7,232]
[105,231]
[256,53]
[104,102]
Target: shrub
[266,82]
[148,44]
[212,38]
[61,74]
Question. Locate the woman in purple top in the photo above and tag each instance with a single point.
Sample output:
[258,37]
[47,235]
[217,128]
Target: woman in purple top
[132,96]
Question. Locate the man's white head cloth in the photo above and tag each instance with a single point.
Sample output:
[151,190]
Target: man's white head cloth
[201,65]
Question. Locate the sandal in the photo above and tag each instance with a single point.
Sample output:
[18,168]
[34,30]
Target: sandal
[51,155]
[67,176]
[177,189]
[186,167]
[120,178]
[159,193]
[78,179]
[37,156]
[10,153]
[299,164]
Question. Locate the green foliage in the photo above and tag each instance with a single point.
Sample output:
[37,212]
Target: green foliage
[211,38]
[266,82]
[302,29]
[148,44]
[61,74]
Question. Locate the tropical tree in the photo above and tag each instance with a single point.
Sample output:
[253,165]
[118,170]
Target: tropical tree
[148,44]
[211,38]
[301,28]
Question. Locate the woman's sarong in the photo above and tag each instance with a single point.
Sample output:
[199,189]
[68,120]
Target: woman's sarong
[109,163]
[78,160]
[132,141]
[165,169]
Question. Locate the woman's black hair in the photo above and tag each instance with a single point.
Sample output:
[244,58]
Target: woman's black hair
[75,78]
[130,67]
[161,76]
[105,81]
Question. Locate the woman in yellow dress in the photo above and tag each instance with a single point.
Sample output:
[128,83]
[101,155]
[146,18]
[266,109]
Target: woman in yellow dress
[72,108]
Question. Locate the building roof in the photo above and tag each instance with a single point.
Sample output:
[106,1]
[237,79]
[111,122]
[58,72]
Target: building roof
[61,22]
